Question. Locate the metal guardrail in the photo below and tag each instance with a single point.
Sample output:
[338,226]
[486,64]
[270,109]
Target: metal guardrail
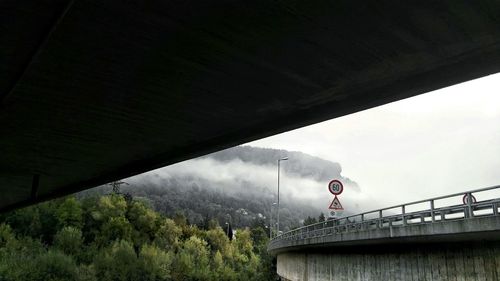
[400,216]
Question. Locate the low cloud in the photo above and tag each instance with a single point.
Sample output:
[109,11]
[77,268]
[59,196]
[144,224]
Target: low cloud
[238,177]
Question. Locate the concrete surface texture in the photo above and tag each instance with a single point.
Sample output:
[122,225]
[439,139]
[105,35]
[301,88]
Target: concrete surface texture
[95,91]
[474,229]
[435,261]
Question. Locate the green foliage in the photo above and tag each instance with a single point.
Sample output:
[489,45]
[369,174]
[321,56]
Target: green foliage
[53,266]
[26,222]
[12,255]
[69,240]
[268,262]
[259,237]
[193,260]
[168,234]
[108,238]
[116,228]
[69,213]
[86,273]
[6,235]
[180,219]
[321,217]
[221,270]
[217,239]
[310,221]
[191,230]
[212,224]
[118,262]
[243,241]
[112,206]
[144,222]
[154,263]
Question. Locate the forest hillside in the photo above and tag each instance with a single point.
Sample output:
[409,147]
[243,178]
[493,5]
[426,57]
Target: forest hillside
[239,185]
[118,238]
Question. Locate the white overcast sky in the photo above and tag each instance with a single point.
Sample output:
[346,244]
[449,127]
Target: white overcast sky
[441,142]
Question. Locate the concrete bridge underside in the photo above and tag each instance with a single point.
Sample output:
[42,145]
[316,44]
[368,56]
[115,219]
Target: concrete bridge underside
[93,91]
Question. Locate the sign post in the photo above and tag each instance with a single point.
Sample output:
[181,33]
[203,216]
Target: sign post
[466,199]
[336,188]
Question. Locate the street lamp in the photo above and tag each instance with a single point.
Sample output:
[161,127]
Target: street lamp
[278,216]
[271,221]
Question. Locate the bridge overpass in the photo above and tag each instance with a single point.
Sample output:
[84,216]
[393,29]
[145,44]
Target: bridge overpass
[432,239]
[94,91]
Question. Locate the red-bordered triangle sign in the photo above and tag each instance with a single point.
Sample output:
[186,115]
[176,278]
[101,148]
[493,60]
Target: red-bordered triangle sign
[335,205]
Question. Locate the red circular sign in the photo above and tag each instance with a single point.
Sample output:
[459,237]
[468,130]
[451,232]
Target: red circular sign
[335,187]
[473,199]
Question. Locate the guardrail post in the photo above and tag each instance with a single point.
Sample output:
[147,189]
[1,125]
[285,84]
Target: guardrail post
[432,211]
[403,211]
[469,205]
[380,224]
[495,209]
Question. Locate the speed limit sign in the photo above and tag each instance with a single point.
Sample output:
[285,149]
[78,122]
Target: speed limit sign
[335,187]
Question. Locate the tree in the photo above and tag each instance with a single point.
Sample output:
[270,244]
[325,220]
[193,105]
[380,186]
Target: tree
[92,218]
[117,263]
[113,205]
[222,270]
[206,221]
[154,263]
[180,219]
[142,218]
[267,267]
[116,228]
[6,235]
[25,221]
[69,213]
[53,266]
[192,261]
[309,221]
[106,238]
[144,222]
[168,234]
[69,240]
[245,259]
[321,217]
[213,224]
[243,241]
[259,237]
[18,257]
[229,231]
[217,240]
[86,272]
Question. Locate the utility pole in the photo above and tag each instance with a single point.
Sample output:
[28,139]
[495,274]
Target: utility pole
[116,186]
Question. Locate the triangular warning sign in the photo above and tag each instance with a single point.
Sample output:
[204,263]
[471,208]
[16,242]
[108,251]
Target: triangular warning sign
[335,205]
